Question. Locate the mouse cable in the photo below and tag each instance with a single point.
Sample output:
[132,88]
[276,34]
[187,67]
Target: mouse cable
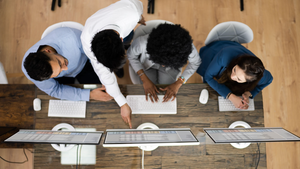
[142,159]
[17,162]
[258,155]
[77,156]
[80,155]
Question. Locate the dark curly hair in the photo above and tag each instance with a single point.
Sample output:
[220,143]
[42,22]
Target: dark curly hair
[108,49]
[37,66]
[253,68]
[169,45]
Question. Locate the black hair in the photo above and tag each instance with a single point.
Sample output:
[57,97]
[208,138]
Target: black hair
[252,67]
[37,66]
[41,47]
[108,49]
[169,45]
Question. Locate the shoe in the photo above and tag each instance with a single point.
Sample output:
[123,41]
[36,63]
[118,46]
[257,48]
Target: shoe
[120,73]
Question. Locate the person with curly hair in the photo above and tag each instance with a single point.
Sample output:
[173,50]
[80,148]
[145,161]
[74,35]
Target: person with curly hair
[233,71]
[103,38]
[158,58]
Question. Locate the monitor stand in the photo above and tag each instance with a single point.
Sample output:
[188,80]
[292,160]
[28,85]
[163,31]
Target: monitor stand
[85,154]
[63,147]
[147,126]
[69,154]
[240,124]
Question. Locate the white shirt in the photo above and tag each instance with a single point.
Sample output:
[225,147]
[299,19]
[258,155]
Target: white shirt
[139,58]
[122,17]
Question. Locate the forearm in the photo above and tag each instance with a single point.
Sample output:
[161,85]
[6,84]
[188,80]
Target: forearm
[144,78]
[69,93]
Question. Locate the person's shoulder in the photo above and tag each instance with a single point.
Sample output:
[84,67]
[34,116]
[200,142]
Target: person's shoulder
[141,40]
[267,74]
[64,31]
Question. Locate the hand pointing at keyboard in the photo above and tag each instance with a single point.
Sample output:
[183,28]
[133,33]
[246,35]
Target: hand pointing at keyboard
[126,114]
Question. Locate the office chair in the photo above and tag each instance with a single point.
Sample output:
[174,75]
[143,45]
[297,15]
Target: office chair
[3,79]
[70,24]
[140,31]
[232,31]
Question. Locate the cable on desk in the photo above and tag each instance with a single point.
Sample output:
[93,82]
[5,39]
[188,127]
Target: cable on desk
[80,155]
[77,156]
[142,159]
[17,162]
[258,150]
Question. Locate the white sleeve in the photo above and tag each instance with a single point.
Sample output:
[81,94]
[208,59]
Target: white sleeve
[139,6]
[109,80]
[194,63]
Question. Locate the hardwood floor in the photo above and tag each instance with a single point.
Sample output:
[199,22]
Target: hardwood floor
[276,41]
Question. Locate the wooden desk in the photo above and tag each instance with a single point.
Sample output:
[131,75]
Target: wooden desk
[190,114]
[16,110]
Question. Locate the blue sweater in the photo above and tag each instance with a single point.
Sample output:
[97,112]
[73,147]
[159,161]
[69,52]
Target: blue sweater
[66,41]
[215,58]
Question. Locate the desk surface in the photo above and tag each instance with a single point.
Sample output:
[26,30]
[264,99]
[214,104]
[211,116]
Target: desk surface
[16,110]
[190,114]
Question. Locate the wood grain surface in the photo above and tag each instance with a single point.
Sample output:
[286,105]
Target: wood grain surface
[190,114]
[275,24]
[16,110]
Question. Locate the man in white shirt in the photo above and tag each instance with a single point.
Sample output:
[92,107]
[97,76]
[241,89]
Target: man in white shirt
[102,38]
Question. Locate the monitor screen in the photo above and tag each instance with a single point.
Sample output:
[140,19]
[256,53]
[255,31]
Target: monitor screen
[240,135]
[159,137]
[56,137]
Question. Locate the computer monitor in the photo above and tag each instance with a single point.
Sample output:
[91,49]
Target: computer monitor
[56,137]
[149,137]
[6,132]
[246,135]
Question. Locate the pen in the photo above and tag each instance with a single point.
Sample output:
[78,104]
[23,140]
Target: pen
[59,3]
[242,5]
[243,101]
[53,5]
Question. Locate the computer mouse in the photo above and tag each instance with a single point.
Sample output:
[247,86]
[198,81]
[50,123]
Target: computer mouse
[37,104]
[204,96]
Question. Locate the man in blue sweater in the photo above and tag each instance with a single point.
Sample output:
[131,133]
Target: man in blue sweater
[58,58]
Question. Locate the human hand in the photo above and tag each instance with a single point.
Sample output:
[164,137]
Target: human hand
[126,114]
[246,96]
[150,89]
[237,101]
[171,91]
[142,21]
[100,94]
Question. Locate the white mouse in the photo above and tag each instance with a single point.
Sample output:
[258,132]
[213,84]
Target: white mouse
[37,104]
[204,96]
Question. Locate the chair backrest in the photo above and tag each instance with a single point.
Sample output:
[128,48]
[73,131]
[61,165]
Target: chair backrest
[69,24]
[3,79]
[232,31]
[146,29]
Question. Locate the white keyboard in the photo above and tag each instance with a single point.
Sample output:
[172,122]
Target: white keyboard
[66,108]
[226,105]
[139,105]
